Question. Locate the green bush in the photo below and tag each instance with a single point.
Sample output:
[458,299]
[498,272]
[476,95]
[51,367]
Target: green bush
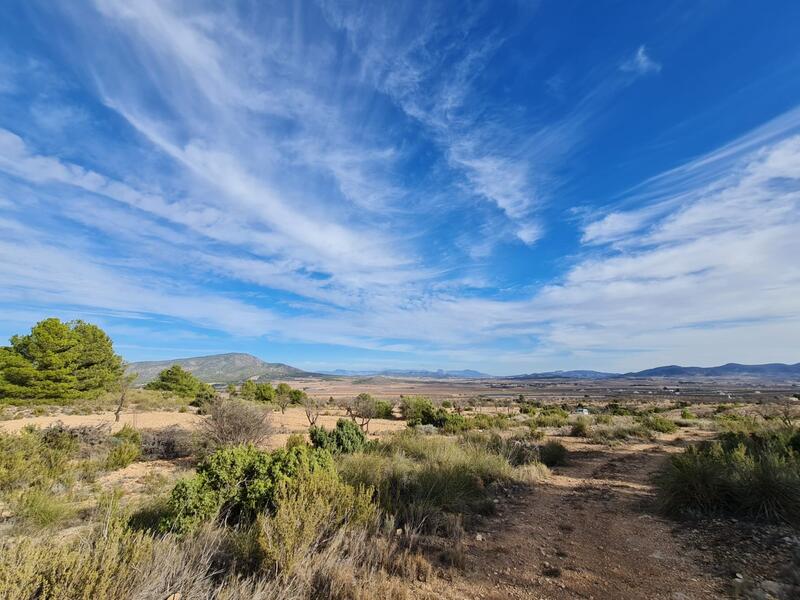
[603,419]
[41,508]
[126,448]
[553,454]
[182,383]
[750,475]
[687,414]
[735,422]
[346,437]
[34,458]
[620,411]
[237,483]
[417,410]
[383,410]
[550,420]
[580,428]
[484,421]
[420,479]
[309,511]
[659,424]
[608,434]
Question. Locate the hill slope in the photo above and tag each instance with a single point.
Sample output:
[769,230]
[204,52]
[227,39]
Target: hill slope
[217,368]
[767,371]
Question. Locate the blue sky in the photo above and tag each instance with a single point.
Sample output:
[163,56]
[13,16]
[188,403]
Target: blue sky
[504,186]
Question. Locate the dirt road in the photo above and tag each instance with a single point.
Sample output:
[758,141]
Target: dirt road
[588,532]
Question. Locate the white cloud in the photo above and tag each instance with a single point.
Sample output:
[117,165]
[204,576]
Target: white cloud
[640,63]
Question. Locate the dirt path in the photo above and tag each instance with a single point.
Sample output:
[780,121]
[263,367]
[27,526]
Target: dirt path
[588,532]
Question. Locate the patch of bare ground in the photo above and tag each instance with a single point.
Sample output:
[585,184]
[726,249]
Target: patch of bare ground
[590,531]
[292,421]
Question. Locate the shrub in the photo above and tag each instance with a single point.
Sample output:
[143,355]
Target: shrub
[420,479]
[603,419]
[42,508]
[113,562]
[309,511]
[346,437]
[553,454]
[580,428]
[687,414]
[126,447]
[620,411]
[383,410]
[518,450]
[755,476]
[238,482]
[33,458]
[417,410]
[735,422]
[295,439]
[483,421]
[233,422]
[607,434]
[170,443]
[659,424]
[550,420]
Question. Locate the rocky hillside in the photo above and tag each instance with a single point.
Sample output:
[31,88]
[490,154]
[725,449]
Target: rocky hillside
[218,368]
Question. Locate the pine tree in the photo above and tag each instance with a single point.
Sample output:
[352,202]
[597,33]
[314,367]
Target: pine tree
[59,362]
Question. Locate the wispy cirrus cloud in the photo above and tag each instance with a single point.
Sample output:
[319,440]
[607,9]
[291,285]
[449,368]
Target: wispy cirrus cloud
[377,179]
[640,63]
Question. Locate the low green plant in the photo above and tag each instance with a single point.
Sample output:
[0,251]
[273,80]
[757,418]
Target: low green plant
[687,414]
[35,458]
[610,434]
[383,410]
[346,437]
[236,483]
[550,420]
[658,423]
[126,447]
[755,475]
[417,410]
[309,510]
[580,428]
[553,454]
[420,479]
[40,508]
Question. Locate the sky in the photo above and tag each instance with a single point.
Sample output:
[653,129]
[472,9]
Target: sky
[506,186]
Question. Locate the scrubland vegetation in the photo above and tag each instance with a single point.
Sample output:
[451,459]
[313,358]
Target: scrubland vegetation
[337,512]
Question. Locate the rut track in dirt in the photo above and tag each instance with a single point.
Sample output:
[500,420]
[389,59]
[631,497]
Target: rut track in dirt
[590,531]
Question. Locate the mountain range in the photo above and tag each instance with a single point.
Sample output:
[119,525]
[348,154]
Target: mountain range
[415,373]
[729,370]
[236,367]
[233,367]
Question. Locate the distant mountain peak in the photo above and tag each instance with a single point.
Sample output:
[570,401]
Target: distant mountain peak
[230,367]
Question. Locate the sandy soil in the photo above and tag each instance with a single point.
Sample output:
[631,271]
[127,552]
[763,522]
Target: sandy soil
[588,532]
[292,421]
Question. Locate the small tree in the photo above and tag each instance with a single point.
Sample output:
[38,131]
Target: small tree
[179,382]
[312,406]
[362,409]
[231,389]
[249,390]
[264,392]
[283,396]
[125,384]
